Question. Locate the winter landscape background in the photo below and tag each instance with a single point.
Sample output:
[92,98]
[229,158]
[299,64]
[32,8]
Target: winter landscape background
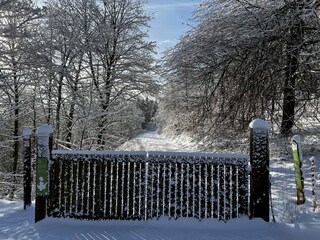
[105,76]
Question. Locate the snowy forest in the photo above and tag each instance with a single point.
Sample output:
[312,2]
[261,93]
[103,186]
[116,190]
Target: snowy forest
[88,68]
[85,67]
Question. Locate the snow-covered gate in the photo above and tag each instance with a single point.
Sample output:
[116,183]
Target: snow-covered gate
[141,185]
[145,185]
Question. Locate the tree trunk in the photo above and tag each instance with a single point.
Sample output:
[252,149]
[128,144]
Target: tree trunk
[51,77]
[75,88]
[15,132]
[102,125]
[69,124]
[58,110]
[288,109]
[289,100]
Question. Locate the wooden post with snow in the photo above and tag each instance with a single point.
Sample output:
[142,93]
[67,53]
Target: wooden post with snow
[259,177]
[44,145]
[27,166]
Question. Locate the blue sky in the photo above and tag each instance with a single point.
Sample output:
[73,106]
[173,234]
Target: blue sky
[170,20]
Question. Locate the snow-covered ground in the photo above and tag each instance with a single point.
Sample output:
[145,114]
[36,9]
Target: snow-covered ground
[292,222]
[16,223]
[152,141]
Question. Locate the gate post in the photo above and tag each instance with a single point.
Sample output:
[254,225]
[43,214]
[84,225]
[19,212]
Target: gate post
[44,146]
[259,177]
[27,166]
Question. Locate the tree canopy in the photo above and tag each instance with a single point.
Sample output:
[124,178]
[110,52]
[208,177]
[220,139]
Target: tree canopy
[242,60]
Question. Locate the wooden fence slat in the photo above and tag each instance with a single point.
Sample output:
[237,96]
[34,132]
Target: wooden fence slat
[113,190]
[103,195]
[184,190]
[233,194]
[178,194]
[86,186]
[91,189]
[144,190]
[124,189]
[107,203]
[203,192]
[68,190]
[197,187]
[179,189]
[102,190]
[243,190]
[166,187]
[54,191]
[188,190]
[131,190]
[137,201]
[154,190]
[149,189]
[62,188]
[193,193]
[227,199]
[118,193]
[171,189]
[74,188]
[210,191]
[79,210]
[97,191]
[220,192]
[215,195]
[159,190]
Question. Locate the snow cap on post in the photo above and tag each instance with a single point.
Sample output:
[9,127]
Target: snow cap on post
[26,132]
[44,130]
[296,144]
[296,139]
[259,124]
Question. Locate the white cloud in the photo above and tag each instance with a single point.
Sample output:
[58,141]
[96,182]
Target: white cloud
[167,41]
[170,5]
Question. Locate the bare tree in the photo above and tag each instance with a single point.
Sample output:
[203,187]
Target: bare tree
[247,59]
[120,58]
[16,23]
[99,55]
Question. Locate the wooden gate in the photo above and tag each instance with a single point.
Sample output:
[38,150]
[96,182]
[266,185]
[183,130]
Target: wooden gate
[145,185]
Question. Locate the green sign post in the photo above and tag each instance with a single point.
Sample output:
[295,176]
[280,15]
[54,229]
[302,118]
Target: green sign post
[44,133]
[42,177]
[297,159]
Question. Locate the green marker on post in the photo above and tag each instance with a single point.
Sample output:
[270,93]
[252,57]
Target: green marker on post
[44,133]
[42,177]
[297,158]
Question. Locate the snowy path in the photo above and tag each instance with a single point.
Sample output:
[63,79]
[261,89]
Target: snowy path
[152,141]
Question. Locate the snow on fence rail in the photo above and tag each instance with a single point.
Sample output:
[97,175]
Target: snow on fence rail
[145,185]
